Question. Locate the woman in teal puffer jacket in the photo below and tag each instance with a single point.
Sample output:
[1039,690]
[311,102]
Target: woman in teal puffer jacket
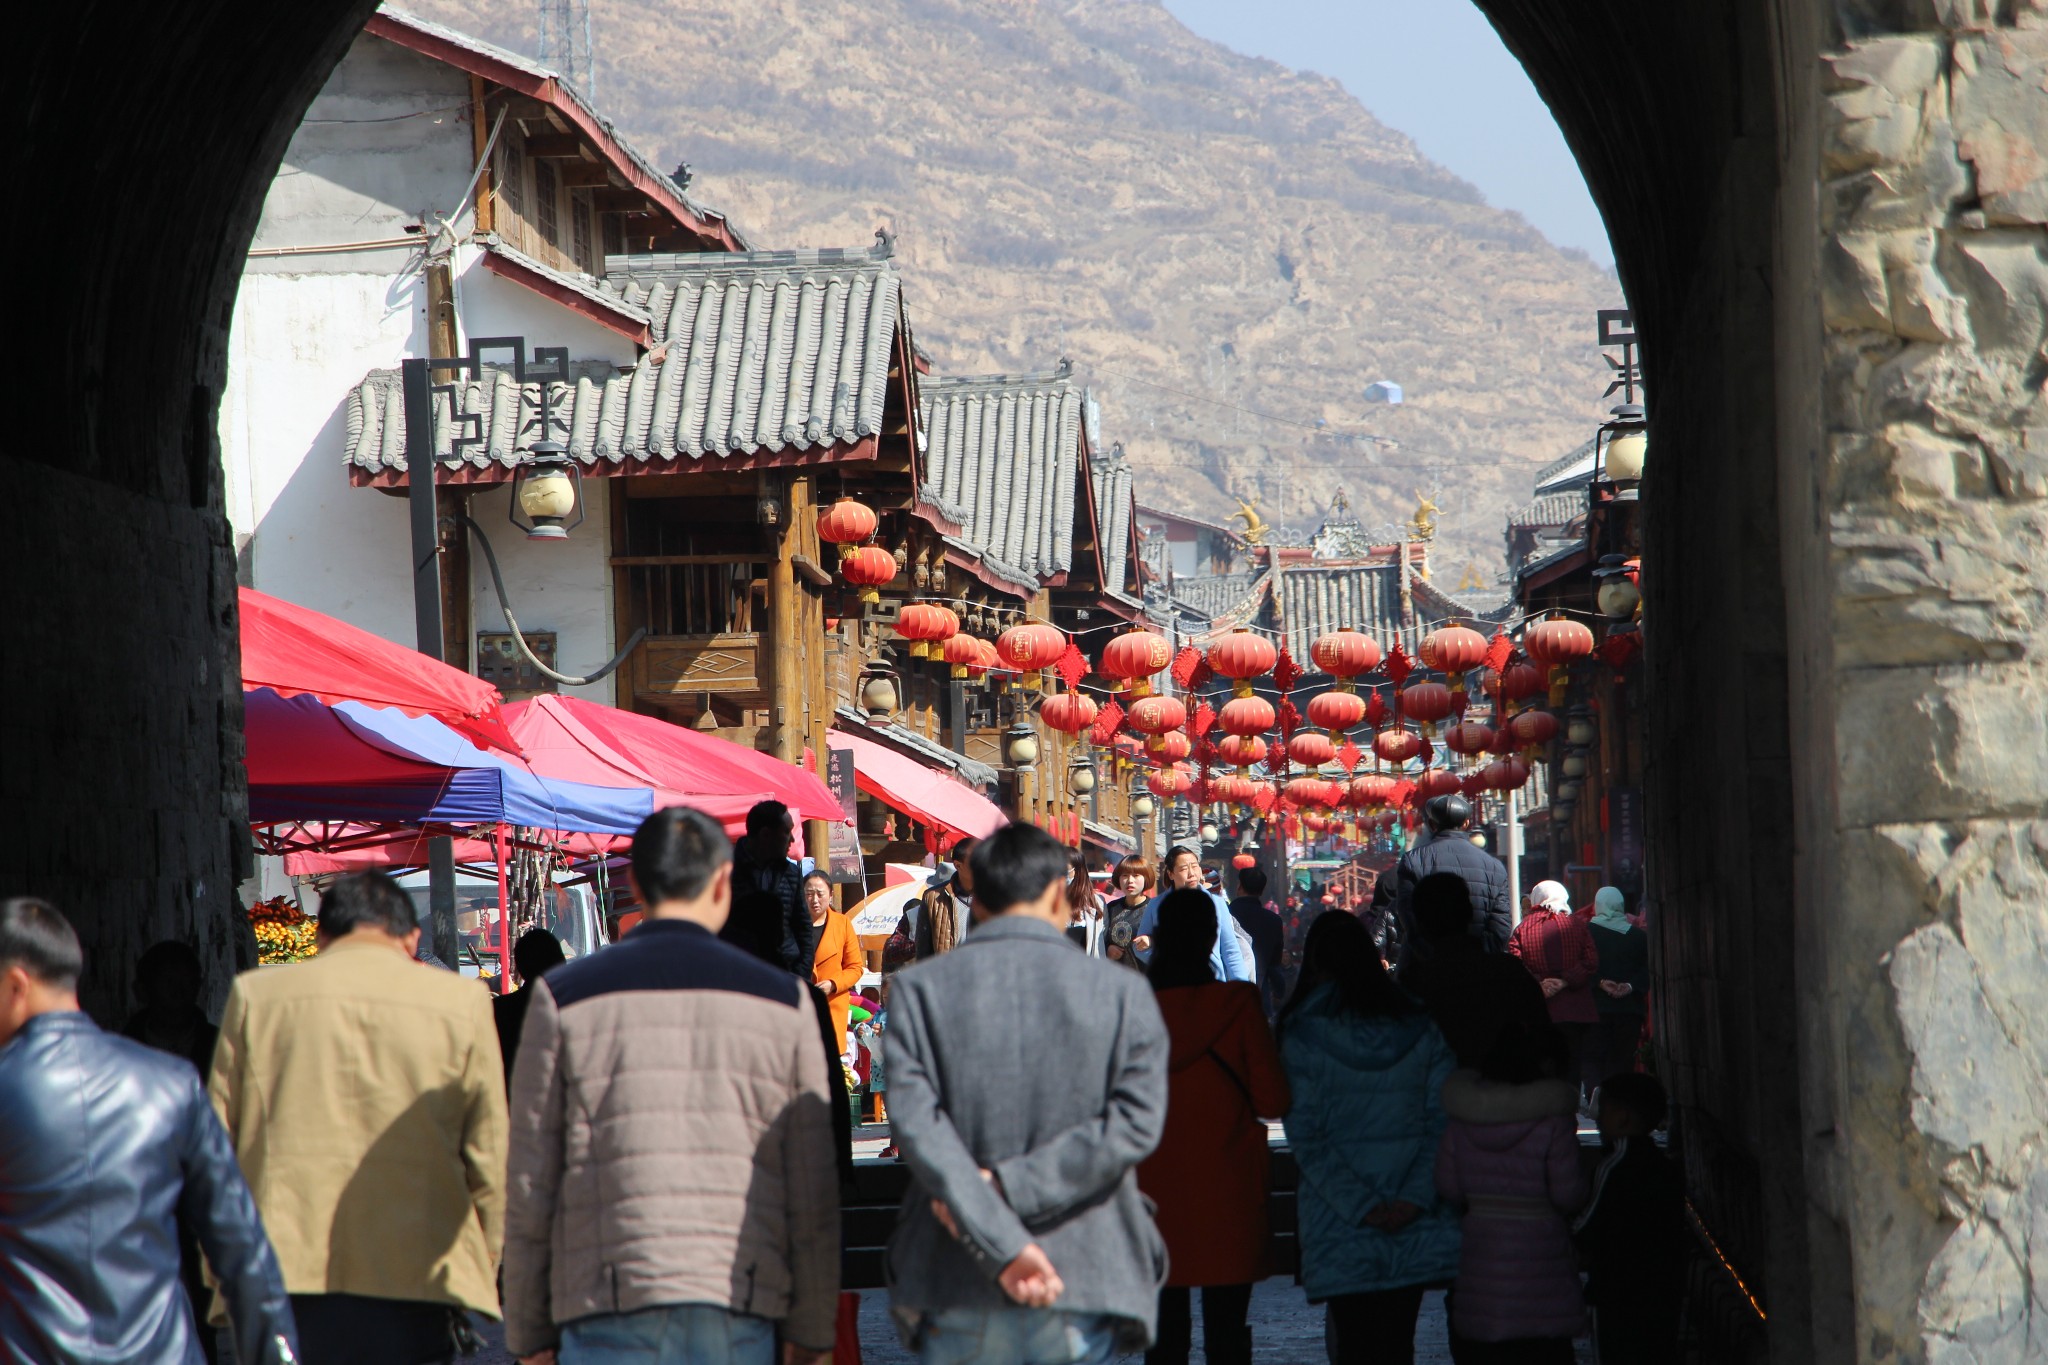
[1367,1068]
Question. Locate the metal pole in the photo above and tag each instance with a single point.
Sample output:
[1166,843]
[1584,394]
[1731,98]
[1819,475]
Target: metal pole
[1512,827]
[426,609]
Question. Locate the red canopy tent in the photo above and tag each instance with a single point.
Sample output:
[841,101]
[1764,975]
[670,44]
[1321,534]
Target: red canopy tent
[295,651]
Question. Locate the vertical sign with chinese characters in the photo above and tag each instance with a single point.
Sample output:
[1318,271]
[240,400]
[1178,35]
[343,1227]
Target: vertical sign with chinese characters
[843,842]
[1625,832]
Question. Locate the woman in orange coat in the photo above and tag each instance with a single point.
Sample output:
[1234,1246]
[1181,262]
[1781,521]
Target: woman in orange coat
[1208,1174]
[837,965]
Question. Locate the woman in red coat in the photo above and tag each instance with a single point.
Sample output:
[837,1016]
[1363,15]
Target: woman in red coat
[1208,1175]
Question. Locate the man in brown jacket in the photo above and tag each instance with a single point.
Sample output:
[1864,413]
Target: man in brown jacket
[366,1103]
[674,1194]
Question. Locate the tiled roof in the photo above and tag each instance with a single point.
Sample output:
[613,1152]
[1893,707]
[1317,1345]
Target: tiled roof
[1114,504]
[1313,599]
[1567,471]
[751,351]
[1215,595]
[1001,460]
[928,752]
[1553,509]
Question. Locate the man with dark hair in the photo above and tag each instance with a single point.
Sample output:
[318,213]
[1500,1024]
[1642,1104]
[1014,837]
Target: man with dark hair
[1632,1231]
[1023,1232]
[366,1101]
[669,1106]
[1231,959]
[1471,993]
[102,1143]
[537,953]
[1257,917]
[761,868]
[1450,849]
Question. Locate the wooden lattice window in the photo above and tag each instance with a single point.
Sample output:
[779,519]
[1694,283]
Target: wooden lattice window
[544,207]
[579,232]
[512,181]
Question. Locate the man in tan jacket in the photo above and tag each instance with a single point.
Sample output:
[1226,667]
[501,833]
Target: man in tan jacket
[365,1100]
[674,1195]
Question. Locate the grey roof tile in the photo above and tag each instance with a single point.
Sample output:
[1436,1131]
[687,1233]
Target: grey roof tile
[1313,600]
[1115,503]
[752,351]
[1002,458]
[1552,509]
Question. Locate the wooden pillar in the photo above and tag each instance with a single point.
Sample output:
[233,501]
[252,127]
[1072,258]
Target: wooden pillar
[785,664]
[451,503]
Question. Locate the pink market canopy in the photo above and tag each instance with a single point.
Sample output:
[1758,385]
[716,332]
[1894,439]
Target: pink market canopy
[295,651]
[924,794]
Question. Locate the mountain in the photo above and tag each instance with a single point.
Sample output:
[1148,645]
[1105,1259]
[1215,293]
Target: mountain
[1230,251]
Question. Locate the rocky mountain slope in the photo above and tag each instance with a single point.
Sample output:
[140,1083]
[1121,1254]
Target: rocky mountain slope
[1228,250]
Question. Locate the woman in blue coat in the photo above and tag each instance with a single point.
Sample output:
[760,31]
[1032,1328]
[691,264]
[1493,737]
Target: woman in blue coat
[1367,1069]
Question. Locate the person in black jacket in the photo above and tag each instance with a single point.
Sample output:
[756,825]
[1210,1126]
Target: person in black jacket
[537,953]
[761,867]
[1473,995]
[103,1142]
[1632,1232]
[1268,934]
[1450,849]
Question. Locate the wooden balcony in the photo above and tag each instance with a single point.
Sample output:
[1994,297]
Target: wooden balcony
[668,666]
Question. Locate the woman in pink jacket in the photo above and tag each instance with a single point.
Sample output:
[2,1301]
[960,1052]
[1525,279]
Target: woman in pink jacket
[1510,1160]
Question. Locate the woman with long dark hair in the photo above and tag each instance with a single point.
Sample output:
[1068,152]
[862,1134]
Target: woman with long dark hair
[1367,1067]
[1084,907]
[1208,1174]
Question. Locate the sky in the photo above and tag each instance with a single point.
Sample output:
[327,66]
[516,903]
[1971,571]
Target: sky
[1437,72]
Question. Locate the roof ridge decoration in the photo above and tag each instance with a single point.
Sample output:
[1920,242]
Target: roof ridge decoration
[633,265]
[1002,462]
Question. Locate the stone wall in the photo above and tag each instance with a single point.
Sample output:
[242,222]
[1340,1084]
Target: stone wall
[1921,506]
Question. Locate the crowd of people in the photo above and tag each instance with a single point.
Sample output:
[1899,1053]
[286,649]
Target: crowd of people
[638,1155]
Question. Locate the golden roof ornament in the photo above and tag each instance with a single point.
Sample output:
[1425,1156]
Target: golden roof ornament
[1256,531]
[1423,527]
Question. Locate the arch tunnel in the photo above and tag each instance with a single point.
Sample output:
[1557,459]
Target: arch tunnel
[1828,217]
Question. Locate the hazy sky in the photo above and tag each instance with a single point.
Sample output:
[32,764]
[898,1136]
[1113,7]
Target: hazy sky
[1437,72]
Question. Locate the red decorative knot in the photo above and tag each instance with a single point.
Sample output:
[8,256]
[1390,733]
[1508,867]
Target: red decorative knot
[1286,672]
[1336,711]
[1349,756]
[925,624]
[1132,659]
[846,522]
[1498,650]
[1204,719]
[1107,724]
[1069,713]
[1246,716]
[1311,749]
[1241,656]
[1344,654]
[1072,667]
[1185,665]
[1155,715]
[1399,665]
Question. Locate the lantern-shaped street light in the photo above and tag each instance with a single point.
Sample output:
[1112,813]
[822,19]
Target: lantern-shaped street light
[1142,806]
[1081,775]
[1621,445]
[1616,592]
[1020,745]
[547,490]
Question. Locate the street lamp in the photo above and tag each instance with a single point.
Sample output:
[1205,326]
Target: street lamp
[1623,443]
[1142,806]
[1081,775]
[548,488]
[1209,832]
[1580,729]
[1020,745]
[1616,593]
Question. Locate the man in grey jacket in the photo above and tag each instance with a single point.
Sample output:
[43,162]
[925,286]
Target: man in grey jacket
[1023,1230]
[673,1190]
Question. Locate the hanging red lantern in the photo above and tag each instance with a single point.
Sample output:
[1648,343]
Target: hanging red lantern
[1232,789]
[990,660]
[1069,713]
[1555,644]
[1311,749]
[1170,782]
[1170,747]
[924,624]
[962,652]
[1241,656]
[1246,716]
[1436,782]
[1518,680]
[1534,728]
[1397,746]
[1428,702]
[1507,774]
[1310,791]
[1335,712]
[1344,654]
[1468,738]
[1155,715]
[1453,650]
[1317,820]
[1242,861]
[846,522]
[868,567]
[1373,789]
[1241,751]
[1132,658]
[1031,647]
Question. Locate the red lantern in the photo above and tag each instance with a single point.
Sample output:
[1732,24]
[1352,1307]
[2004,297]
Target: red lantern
[989,659]
[1155,715]
[923,623]
[1069,713]
[1468,738]
[1241,656]
[846,522]
[1373,789]
[1169,782]
[1242,861]
[1427,702]
[1241,751]
[1506,774]
[1315,820]
[1170,747]
[1516,681]
[1134,657]
[1534,728]
[1231,789]
[1311,749]
[868,567]
[1397,746]
[1436,782]
[1246,716]
[962,652]
[1557,641]
[1336,712]
[1310,791]
[1344,654]
[1454,650]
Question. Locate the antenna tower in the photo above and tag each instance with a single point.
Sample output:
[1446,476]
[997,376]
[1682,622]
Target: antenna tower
[565,43]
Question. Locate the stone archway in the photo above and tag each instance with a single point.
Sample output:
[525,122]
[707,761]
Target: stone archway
[1828,216]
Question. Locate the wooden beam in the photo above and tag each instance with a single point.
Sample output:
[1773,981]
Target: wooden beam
[557,147]
[620,201]
[807,569]
[585,175]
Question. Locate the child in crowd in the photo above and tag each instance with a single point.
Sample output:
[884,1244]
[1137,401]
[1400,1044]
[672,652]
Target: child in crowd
[1510,1160]
[1632,1233]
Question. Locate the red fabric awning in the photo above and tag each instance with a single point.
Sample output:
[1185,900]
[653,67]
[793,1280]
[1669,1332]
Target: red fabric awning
[295,651]
[924,794]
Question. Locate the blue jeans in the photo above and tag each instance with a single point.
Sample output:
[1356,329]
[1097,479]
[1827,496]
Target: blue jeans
[674,1334]
[1014,1336]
